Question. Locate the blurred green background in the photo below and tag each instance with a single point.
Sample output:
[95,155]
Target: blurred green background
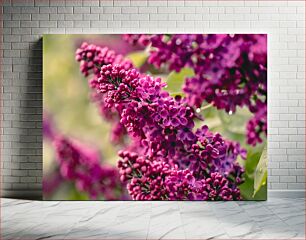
[66,100]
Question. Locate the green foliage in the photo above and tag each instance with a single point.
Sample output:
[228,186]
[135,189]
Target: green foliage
[253,157]
[261,172]
[251,163]
[138,58]
[175,80]
[247,190]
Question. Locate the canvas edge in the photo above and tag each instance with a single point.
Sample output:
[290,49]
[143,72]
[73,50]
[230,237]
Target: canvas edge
[37,194]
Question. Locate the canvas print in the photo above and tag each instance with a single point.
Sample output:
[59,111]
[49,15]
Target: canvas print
[155,117]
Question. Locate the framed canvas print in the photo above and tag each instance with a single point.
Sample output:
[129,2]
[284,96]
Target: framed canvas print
[155,117]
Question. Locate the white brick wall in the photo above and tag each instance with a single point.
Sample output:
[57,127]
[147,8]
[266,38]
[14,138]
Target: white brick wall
[24,21]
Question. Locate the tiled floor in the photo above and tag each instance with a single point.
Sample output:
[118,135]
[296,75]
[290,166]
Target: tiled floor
[273,219]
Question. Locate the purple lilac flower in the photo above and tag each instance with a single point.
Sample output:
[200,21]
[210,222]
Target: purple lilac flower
[81,164]
[212,153]
[145,177]
[230,70]
[161,130]
[257,124]
[156,180]
[182,185]
[142,39]
[92,58]
[149,113]
[175,50]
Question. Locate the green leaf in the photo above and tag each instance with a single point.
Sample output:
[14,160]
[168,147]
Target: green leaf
[175,80]
[261,172]
[246,190]
[250,164]
[138,58]
[252,160]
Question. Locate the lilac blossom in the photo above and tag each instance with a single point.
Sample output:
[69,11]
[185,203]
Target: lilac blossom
[81,164]
[156,180]
[257,124]
[182,185]
[164,144]
[164,125]
[230,70]
[161,122]
[92,58]
[212,153]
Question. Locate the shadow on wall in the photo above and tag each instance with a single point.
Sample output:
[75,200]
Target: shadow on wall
[29,154]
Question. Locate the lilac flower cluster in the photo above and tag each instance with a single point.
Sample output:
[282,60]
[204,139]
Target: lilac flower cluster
[92,58]
[162,123]
[215,154]
[156,180]
[230,70]
[182,185]
[258,123]
[82,165]
[145,177]
[165,151]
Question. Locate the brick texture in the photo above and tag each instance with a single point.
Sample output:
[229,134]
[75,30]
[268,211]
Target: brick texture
[24,22]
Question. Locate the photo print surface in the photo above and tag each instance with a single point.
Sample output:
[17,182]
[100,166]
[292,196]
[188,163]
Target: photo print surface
[172,117]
